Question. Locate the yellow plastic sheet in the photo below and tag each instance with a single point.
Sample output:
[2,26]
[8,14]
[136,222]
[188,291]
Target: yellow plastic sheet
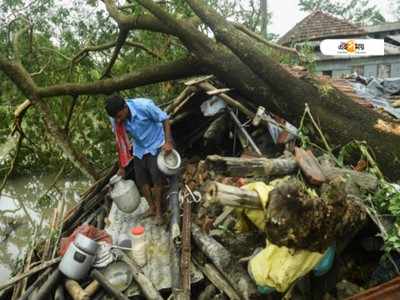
[278,267]
[275,267]
[256,216]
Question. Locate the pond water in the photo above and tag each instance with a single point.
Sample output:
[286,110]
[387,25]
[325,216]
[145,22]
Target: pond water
[16,230]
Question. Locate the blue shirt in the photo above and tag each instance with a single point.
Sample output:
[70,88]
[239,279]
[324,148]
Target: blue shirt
[145,126]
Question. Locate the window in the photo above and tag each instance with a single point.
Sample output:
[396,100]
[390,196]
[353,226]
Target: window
[327,73]
[384,71]
[358,69]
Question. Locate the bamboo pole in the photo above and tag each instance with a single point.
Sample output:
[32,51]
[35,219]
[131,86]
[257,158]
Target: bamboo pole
[36,269]
[34,285]
[185,249]
[225,263]
[75,290]
[148,289]
[48,286]
[215,277]
[108,287]
[59,294]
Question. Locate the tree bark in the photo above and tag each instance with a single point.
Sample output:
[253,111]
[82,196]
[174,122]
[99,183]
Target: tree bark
[339,116]
[224,262]
[240,63]
[250,167]
[215,276]
[227,195]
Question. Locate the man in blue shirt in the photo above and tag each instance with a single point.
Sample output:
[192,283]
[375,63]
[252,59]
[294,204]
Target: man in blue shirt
[150,129]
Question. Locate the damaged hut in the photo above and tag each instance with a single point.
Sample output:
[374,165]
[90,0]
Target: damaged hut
[256,211]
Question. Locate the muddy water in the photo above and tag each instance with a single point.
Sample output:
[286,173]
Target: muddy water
[15,228]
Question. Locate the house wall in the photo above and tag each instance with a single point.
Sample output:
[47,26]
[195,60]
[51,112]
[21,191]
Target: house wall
[342,67]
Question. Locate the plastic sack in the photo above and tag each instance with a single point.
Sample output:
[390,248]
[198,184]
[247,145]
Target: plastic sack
[275,267]
[255,216]
[278,267]
[87,230]
[212,107]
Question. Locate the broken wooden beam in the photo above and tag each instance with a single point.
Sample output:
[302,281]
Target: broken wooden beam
[48,286]
[32,271]
[39,280]
[108,287]
[198,80]
[244,131]
[227,195]
[215,277]
[146,286]
[75,290]
[309,165]
[250,167]
[236,275]
[217,91]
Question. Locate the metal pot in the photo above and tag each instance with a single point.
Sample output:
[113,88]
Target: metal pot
[79,257]
[170,163]
[125,194]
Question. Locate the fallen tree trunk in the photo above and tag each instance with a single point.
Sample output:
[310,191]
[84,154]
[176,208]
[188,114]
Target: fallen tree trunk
[339,116]
[250,167]
[240,62]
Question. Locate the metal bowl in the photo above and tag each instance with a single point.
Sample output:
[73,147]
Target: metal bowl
[169,163]
[119,274]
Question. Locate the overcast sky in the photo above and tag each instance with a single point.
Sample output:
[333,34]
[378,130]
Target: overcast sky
[286,13]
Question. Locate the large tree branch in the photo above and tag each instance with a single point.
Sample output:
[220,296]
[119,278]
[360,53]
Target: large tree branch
[264,41]
[217,58]
[21,78]
[17,52]
[149,75]
[84,52]
[123,34]
[145,22]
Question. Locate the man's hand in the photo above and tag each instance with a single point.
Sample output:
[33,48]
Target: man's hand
[167,147]
[121,172]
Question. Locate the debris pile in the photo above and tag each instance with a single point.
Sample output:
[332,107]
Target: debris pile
[257,209]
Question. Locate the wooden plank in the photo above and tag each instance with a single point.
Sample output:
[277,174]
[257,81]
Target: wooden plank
[217,91]
[310,166]
[198,80]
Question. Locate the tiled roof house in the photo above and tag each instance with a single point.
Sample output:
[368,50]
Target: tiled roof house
[319,26]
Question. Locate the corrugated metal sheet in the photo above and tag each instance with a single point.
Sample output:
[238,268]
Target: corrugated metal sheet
[157,268]
[387,291]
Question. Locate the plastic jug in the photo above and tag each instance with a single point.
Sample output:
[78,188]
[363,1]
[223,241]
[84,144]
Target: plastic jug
[125,194]
[138,250]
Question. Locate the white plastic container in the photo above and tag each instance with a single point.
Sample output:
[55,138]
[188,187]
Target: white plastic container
[138,249]
[125,194]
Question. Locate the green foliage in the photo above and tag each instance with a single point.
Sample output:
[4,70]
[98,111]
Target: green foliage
[60,29]
[386,201]
[356,11]
[308,58]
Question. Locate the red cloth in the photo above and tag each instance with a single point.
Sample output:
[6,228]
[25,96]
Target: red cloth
[124,147]
[87,230]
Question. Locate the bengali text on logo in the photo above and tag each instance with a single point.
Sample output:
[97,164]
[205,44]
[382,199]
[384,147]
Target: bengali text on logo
[353,47]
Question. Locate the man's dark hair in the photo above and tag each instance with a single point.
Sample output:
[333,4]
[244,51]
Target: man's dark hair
[114,104]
